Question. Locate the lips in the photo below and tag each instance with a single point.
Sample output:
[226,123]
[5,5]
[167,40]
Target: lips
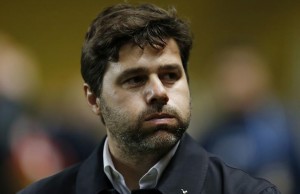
[159,116]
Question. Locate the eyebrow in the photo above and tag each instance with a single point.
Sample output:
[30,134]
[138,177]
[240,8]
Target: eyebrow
[143,70]
[132,71]
[170,67]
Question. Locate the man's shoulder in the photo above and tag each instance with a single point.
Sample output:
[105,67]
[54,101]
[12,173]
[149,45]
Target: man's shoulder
[61,183]
[198,171]
[236,180]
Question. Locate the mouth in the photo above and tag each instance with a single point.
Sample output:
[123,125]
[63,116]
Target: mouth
[159,116]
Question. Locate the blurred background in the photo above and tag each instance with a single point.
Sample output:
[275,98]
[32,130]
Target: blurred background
[244,71]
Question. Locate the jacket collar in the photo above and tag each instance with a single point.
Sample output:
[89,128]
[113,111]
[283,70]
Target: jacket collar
[91,177]
[185,172]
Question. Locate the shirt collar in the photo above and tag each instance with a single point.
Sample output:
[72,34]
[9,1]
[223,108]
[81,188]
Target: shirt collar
[149,180]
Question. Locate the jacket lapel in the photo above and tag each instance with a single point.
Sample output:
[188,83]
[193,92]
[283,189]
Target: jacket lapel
[186,171]
[91,177]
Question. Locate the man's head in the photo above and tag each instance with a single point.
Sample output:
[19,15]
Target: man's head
[134,63]
[144,24]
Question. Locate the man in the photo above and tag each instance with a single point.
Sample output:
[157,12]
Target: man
[134,64]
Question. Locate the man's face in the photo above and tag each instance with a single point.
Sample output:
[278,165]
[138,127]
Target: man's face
[145,99]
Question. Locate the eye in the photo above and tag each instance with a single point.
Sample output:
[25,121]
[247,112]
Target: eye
[135,81]
[170,77]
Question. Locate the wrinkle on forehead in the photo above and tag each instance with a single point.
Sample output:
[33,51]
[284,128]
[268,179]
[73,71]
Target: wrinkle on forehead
[131,51]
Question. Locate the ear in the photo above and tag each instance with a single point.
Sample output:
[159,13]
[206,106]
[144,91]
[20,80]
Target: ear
[92,99]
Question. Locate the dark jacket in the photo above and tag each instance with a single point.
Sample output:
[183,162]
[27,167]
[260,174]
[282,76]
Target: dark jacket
[191,171]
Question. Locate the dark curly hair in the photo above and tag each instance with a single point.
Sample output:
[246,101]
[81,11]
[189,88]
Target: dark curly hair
[144,24]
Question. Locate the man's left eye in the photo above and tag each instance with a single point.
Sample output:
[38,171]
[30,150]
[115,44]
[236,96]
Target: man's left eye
[169,77]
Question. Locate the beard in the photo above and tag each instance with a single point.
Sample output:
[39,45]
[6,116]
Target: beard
[132,138]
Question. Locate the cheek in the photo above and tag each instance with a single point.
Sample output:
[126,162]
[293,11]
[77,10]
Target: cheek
[180,97]
[123,101]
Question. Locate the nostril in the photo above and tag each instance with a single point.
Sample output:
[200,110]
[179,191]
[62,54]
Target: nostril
[159,99]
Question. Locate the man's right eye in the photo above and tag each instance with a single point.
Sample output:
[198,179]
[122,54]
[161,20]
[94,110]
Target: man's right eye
[135,81]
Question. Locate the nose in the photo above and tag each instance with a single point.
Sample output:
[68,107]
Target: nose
[155,92]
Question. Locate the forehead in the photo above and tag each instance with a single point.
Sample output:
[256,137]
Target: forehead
[132,55]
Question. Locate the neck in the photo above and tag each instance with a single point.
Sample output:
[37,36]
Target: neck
[133,166]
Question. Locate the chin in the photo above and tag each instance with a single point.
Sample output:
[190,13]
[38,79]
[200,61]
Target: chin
[154,140]
[161,140]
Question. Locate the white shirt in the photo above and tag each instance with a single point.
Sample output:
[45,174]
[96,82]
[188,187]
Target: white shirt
[149,180]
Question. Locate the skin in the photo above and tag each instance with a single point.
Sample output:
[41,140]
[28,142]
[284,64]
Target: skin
[145,104]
